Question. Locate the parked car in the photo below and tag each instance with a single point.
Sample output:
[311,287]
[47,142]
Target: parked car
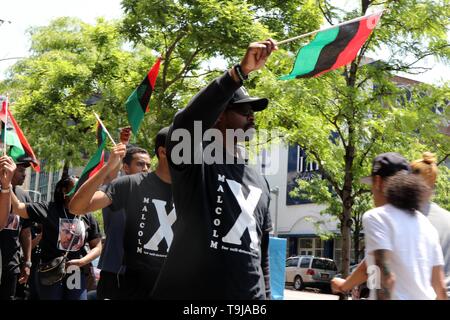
[310,271]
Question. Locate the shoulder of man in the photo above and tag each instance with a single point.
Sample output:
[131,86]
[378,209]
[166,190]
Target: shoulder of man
[125,179]
[374,212]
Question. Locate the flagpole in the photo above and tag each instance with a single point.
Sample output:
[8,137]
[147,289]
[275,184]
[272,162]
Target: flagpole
[6,123]
[104,128]
[328,28]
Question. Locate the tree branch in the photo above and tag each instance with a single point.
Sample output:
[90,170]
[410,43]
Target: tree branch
[443,159]
[324,172]
[365,5]
[167,55]
[185,69]
[202,74]
[361,192]
[334,123]
[364,156]
[326,14]
[419,58]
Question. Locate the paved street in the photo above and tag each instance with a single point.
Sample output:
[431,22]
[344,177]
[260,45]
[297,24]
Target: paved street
[290,294]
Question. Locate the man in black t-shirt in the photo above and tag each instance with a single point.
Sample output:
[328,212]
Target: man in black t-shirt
[14,236]
[146,198]
[5,202]
[220,248]
[111,261]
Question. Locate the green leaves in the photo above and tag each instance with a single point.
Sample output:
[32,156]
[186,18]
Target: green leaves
[72,63]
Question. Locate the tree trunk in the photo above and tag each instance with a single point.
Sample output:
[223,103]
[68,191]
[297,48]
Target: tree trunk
[347,202]
[346,241]
[356,237]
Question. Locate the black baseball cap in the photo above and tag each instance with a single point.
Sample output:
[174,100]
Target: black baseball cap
[241,96]
[24,160]
[386,165]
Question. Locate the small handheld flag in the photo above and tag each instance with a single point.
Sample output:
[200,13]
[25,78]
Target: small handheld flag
[104,128]
[97,160]
[138,102]
[332,47]
[13,137]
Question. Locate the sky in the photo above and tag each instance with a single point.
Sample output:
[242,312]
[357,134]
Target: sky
[28,13]
[22,14]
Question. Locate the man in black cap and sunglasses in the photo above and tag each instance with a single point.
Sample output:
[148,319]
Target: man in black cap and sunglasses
[220,249]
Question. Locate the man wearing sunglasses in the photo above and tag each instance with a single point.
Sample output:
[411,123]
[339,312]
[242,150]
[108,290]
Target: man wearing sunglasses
[220,249]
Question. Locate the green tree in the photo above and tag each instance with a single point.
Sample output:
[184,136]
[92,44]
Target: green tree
[72,65]
[346,117]
[194,36]
[442,195]
[72,62]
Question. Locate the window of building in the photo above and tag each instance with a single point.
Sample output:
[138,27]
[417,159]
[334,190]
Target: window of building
[318,247]
[43,185]
[298,168]
[305,246]
[55,179]
[310,246]
[33,185]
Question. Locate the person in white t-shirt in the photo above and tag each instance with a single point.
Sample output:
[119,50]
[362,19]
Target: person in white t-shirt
[403,256]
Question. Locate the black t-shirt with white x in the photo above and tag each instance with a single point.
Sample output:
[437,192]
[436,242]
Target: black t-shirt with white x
[150,219]
[223,214]
[62,231]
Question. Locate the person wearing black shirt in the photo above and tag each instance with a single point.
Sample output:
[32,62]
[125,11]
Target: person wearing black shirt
[111,260]
[112,281]
[6,168]
[57,220]
[5,201]
[220,249]
[14,237]
[146,198]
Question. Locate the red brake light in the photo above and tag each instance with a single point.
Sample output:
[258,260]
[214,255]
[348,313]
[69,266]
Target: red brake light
[310,272]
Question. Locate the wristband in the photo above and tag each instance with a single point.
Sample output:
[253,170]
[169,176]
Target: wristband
[242,77]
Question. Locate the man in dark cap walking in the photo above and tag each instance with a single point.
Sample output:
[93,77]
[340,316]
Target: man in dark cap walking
[220,249]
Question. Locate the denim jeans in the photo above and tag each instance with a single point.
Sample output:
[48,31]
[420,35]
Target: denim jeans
[63,290]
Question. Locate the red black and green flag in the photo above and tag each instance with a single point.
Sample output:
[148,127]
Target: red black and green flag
[15,139]
[96,162]
[332,48]
[138,102]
